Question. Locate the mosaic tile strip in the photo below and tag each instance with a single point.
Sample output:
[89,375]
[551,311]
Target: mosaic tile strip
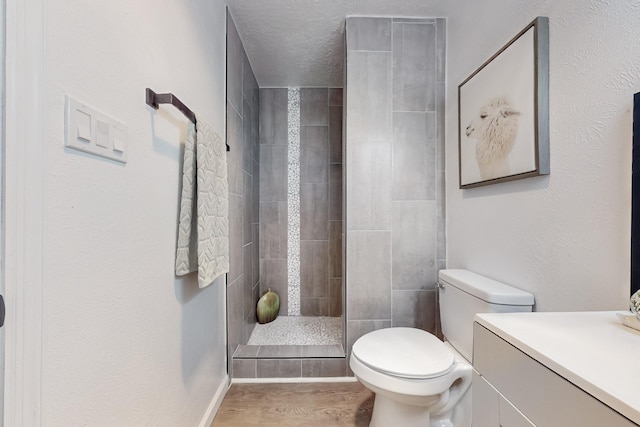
[293,203]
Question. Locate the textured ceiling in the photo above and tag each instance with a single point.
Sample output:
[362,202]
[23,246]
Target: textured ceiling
[300,42]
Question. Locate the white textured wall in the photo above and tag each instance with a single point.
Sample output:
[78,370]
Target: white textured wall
[564,237]
[126,343]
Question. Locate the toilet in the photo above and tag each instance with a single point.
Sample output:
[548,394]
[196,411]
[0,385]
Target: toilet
[419,380]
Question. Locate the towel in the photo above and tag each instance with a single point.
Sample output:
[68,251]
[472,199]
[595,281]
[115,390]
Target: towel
[203,228]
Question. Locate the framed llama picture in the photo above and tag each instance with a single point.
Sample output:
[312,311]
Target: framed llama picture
[503,112]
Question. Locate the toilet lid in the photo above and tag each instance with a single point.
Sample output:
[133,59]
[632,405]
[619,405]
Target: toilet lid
[404,352]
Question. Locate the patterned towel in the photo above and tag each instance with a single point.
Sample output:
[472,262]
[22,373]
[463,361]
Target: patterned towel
[203,229]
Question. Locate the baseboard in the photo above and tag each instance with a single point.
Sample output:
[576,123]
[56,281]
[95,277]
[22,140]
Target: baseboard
[294,380]
[210,414]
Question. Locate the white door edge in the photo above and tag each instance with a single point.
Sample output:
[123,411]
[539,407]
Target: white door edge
[23,205]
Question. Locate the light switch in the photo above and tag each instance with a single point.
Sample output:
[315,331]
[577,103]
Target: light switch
[93,132]
[102,134]
[83,125]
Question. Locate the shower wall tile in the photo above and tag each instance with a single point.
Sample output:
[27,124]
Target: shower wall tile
[273,274]
[279,368]
[255,192]
[235,296]
[371,34]
[273,173]
[314,152]
[440,131]
[335,192]
[273,116]
[335,249]
[314,307]
[273,230]
[248,302]
[249,83]
[369,185]
[235,54]
[247,138]
[370,97]
[441,49]
[414,156]
[247,209]
[314,212]
[414,67]
[414,309]
[335,296]
[314,106]
[441,217]
[314,268]
[369,274]
[255,254]
[235,237]
[335,134]
[335,96]
[234,157]
[413,249]
[318,368]
[280,351]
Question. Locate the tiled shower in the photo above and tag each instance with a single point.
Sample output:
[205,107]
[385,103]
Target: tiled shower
[295,209]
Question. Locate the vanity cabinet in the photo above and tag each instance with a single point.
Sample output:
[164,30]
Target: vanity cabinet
[512,389]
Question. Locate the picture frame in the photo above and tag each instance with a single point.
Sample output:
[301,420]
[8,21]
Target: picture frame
[503,112]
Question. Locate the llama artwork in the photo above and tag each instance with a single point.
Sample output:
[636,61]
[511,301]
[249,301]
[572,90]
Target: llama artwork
[495,128]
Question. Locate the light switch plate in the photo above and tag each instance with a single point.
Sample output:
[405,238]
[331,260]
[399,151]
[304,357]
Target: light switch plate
[92,131]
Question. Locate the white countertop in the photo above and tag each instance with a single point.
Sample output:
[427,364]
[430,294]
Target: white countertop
[593,350]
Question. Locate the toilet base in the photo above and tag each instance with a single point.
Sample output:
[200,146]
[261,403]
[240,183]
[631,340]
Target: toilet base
[387,412]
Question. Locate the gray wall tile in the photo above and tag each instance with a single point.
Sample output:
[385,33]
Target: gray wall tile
[235,53]
[369,185]
[314,106]
[335,296]
[372,34]
[317,368]
[335,192]
[280,351]
[234,157]
[246,352]
[314,268]
[314,154]
[235,237]
[244,368]
[255,192]
[273,173]
[247,138]
[441,218]
[440,129]
[441,49]
[335,249]
[370,98]
[322,351]
[335,134]
[414,309]
[249,83]
[414,67]
[314,211]
[247,209]
[414,156]
[273,230]
[273,274]
[274,116]
[315,307]
[369,275]
[414,238]
[255,255]
[279,368]
[335,96]
[249,304]
[235,297]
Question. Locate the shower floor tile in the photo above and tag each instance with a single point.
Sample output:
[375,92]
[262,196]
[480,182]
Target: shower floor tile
[298,330]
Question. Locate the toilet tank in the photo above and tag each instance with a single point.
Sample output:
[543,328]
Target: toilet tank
[463,293]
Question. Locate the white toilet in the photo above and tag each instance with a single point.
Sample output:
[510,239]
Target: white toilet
[419,380]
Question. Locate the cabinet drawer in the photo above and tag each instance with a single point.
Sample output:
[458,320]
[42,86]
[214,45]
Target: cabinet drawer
[544,397]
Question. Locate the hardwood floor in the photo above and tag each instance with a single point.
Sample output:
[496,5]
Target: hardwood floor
[298,404]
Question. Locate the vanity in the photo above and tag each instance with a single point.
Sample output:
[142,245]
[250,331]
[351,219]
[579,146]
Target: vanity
[555,369]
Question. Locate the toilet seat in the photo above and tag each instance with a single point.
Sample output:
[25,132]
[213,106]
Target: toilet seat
[405,353]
